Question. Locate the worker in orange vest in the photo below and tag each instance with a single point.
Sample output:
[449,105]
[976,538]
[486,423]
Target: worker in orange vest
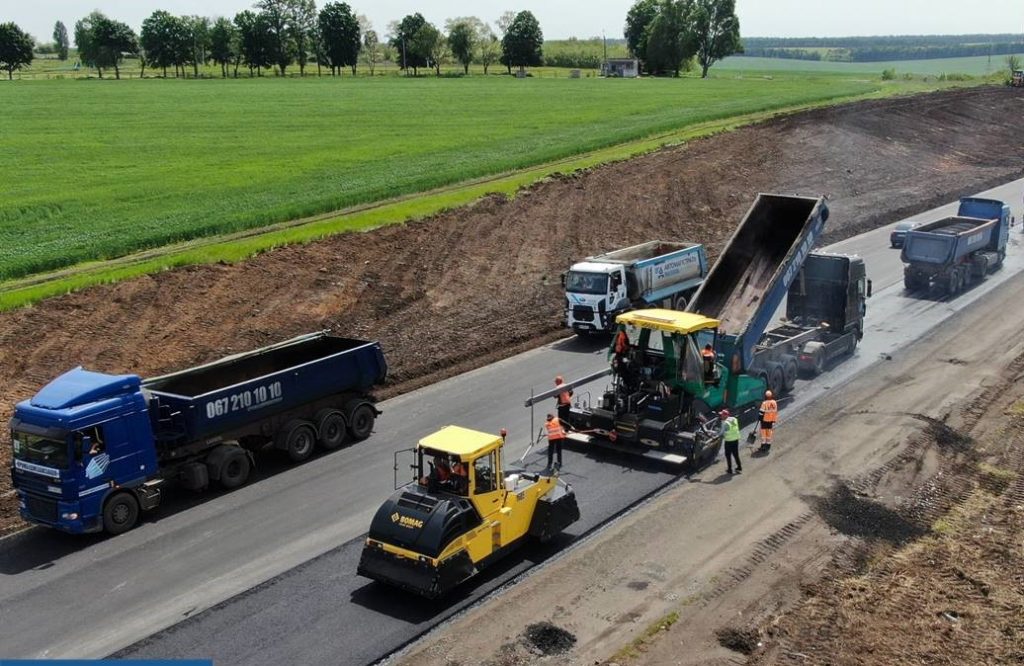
[708,356]
[769,414]
[556,437]
[563,399]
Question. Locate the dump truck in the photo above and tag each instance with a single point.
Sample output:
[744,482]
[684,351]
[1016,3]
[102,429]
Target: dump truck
[655,273]
[92,451]
[444,525]
[664,394]
[945,256]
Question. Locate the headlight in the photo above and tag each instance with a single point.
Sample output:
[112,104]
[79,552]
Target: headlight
[69,516]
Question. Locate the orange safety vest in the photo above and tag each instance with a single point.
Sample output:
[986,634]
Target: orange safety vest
[565,398]
[770,408]
[621,343]
[555,429]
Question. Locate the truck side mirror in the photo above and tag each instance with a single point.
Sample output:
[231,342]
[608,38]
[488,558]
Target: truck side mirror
[563,280]
[79,446]
[869,288]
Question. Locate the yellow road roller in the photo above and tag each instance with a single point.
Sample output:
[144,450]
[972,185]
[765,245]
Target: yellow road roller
[461,511]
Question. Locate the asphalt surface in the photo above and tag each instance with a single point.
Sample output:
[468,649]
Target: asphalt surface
[266,573]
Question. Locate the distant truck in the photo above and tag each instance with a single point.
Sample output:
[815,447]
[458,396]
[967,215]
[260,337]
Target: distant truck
[948,255]
[93,451]
[656,273]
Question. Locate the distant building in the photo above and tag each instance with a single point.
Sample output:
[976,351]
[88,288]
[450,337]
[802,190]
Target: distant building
[621,67]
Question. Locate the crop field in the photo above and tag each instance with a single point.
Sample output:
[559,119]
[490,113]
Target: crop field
[96,169]
[974,65]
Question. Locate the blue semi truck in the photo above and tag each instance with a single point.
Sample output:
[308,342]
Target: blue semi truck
[950,254]
[93,451]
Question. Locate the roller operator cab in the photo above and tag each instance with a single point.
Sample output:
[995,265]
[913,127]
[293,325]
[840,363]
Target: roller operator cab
[462,510]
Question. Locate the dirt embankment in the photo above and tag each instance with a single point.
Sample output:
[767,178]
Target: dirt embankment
[479,283]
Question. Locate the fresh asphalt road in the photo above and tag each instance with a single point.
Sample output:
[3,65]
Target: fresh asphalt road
[87,597]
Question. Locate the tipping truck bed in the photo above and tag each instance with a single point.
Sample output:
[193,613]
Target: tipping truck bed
[232,392]
[754,271]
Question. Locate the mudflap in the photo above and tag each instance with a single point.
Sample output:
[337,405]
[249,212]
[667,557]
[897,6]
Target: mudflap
[555,511]
[416,576]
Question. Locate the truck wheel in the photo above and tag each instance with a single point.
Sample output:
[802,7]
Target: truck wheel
[234,469]
[297,438]
[360,423]
[775,380]
[330,429]
[679,302]
[120,513]
[789,373]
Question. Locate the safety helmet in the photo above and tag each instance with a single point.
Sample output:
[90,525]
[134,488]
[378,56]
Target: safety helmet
[724,413]
[768,395]
[550,416]
[559,380]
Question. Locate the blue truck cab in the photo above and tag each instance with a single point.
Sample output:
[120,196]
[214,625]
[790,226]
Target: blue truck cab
[93,451]
[82,436]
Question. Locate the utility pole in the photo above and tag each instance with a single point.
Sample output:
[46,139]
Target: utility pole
[605,40]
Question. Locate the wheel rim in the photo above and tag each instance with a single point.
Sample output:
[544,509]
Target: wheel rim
[303,442]
[234,469]
[121,513]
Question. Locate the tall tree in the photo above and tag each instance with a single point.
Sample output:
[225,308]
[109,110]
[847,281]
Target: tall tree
[462,39]
[430,42]
[103,42]
[196,42]
[488,46]
[409,49]
[224,44]
[304,30]
[158,38]
[669,42]
[15,48]
[503,22]
[278,16]
[715,31]
[638,25]
[254,40]
[60,40]
[372,52]
[522,45]
[339,29]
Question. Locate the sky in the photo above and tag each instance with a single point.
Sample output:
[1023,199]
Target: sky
[587,18]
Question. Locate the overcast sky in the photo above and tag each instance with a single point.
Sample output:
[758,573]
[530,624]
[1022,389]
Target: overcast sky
[586,18]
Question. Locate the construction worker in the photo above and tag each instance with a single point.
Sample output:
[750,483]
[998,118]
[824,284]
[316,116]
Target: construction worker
[440,474]
[563,400]
[731,436]
[708,356]
[556,437]
[768,414]
[460,478]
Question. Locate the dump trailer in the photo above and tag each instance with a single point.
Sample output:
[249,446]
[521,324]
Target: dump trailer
[601,287]
[461,511]
[946,256]
[665,392]
[92,451]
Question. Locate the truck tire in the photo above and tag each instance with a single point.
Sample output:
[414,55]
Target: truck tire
[361,418]
[679,302]
[789,373]
[234,469]
[120,513]
[297,438]
[331,429]
[775,379]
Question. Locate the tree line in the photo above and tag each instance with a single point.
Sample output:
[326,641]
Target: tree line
[887,53]
[277,34]
[667,35]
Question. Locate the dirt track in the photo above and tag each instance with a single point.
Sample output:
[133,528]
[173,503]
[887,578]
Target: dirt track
[476,284]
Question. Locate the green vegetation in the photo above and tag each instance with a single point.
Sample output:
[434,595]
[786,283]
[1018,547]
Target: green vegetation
[142,164]
[973,66]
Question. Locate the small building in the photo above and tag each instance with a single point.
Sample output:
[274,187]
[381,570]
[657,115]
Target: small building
[628,68]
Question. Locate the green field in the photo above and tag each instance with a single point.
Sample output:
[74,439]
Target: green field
[974,66]
[94,170]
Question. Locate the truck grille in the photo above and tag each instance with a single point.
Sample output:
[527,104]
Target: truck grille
[41,508]
[583,313]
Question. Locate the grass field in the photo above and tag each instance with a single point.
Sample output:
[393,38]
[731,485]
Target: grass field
[975,66]
[94,170]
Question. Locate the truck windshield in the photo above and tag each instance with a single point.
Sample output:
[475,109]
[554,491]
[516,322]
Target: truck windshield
[40,450]
[586,283]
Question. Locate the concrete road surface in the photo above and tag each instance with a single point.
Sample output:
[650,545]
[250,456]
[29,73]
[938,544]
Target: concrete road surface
[181,563]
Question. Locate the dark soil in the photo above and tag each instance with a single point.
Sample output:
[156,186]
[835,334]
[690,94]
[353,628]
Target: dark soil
[743,641]
[549,639]
[480,283]
[850,514]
